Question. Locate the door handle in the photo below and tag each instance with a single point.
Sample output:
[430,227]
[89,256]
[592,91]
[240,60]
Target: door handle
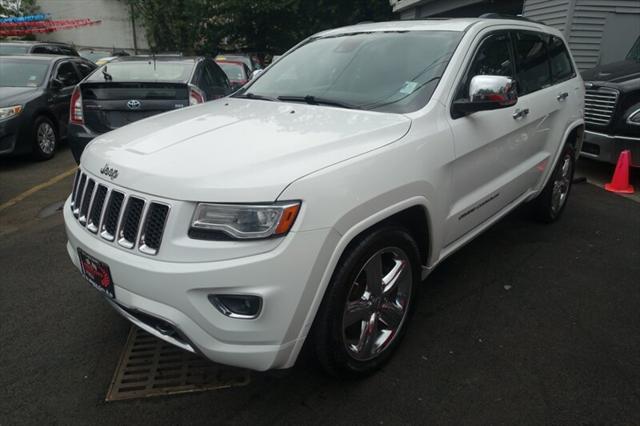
[562,96]
[520,113]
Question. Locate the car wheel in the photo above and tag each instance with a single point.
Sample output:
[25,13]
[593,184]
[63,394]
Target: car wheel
[550,204]
[45,138]
[366,308]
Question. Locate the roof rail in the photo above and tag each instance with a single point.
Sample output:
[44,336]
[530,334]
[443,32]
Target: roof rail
[505,16]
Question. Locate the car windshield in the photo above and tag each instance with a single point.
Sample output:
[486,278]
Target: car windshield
[22,73]
[233,71]
[383,71]
[13,49]
[144,71]
[634,53]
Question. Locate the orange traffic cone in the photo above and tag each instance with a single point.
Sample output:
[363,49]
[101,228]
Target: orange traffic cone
[620,181]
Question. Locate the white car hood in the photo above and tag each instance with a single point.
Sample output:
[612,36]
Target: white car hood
[236,150]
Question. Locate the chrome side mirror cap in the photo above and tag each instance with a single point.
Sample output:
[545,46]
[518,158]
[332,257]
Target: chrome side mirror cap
[487,92]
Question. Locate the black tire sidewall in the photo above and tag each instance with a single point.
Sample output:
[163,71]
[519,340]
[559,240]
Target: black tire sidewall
[328,333]
[37,151]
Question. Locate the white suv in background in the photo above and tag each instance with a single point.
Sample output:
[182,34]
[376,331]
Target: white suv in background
[309,206]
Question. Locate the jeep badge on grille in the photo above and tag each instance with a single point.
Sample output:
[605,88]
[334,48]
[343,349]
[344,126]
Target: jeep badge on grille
[109,171]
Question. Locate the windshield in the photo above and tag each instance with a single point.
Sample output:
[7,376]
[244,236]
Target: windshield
[145,71]
[233,71]
[13,49]
[22,73]
[382,71]
[634,53]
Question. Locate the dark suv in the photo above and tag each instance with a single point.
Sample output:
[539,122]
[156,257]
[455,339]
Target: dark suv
[37,47]
[612,109]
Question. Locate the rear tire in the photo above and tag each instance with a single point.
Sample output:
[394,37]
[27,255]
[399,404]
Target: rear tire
[45,138]
[368,303]
[550,204]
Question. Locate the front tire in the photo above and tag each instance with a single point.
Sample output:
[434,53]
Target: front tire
[550,204]
[45,138]
[368,303]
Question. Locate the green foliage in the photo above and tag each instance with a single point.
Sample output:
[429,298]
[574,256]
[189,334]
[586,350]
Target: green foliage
[201,26]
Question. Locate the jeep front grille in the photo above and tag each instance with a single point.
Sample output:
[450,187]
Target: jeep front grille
[600,104]
[126,220]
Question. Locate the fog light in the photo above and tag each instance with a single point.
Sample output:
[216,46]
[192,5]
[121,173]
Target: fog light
[237,306]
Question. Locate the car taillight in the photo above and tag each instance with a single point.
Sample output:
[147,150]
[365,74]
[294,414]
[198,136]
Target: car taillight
[75,113]
[195,96]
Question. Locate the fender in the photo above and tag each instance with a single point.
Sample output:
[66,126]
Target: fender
[343,242]
[574,125]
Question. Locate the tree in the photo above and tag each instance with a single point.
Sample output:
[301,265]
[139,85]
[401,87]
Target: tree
[202,26]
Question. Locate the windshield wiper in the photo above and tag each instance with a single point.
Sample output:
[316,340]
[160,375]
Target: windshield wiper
[249,95]
[314,100]
[106,75]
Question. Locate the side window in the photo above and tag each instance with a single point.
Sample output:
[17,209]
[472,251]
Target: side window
[219,77]
[84,69]
[493,57]
[66,73]
[561,67]
[532,62]
[40,49]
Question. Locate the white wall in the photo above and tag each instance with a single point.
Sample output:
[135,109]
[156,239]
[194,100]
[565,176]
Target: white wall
[114,31]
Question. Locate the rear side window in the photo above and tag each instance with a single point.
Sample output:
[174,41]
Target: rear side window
[493,57]
[532,62]
[218,76]
[561,67]
[67,74]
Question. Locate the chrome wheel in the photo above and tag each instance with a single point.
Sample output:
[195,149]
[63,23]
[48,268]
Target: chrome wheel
[561,185]
[46,137]
[377,303]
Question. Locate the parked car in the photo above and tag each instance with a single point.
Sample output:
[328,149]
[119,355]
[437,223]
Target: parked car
[131,88]
[245,58]
[237,73]
[35,91]
[309,205]
[612,110]
[36,47]
[95,55]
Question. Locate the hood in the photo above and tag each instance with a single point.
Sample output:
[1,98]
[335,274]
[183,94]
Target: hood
[616,72]
[237,150]
[10,96]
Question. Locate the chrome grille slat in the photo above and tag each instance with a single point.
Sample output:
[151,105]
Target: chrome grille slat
[118,216]
[600,105]
[86,201]
[130,224]
[112,216]
[74,191]
[79,194]
[97,206]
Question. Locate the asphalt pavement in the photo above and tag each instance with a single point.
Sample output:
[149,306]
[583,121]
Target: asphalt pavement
[528,324]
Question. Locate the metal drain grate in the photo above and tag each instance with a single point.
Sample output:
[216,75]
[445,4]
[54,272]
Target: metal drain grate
[151,367]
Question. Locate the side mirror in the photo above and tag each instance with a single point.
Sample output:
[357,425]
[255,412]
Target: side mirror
[487,92]
[256,73]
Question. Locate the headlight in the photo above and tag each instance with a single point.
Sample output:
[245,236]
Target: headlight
[239,221]
[634,118]
[8,112]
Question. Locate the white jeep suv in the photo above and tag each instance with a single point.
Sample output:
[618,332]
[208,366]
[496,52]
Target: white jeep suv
[309,205]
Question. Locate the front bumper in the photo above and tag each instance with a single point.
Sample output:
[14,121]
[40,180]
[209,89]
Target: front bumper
[607,148]
[175,293]
[11,137]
